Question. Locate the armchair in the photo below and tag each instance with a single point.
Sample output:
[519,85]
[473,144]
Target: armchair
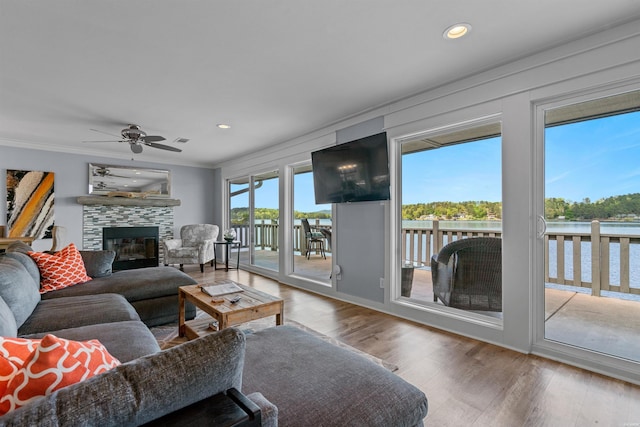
[195,246]
[467,274]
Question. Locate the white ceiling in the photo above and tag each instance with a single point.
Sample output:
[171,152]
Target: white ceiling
[272,69]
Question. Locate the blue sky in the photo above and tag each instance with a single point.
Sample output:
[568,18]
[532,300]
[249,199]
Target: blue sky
[592,159]
[456,173]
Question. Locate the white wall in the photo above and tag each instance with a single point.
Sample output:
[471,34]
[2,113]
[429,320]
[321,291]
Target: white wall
[197,188]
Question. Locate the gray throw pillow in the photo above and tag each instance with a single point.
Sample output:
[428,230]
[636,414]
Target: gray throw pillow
[8,327]
[29,264]
[98,263]
[17,290]
[19,246]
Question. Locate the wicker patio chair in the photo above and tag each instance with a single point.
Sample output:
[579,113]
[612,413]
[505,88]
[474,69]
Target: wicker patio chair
[467,274]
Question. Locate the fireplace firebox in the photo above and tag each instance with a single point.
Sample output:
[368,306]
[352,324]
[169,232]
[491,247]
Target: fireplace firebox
[135,247]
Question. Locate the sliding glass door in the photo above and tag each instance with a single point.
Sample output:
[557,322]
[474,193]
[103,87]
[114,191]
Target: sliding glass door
[254,215]
[590,229]
[266,220]
[312,247]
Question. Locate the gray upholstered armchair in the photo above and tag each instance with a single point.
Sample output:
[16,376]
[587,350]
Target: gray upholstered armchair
[467,274]
[195,246]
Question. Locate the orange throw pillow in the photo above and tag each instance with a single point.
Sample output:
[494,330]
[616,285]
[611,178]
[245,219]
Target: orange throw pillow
[60,270]
[13,353]
[54,364]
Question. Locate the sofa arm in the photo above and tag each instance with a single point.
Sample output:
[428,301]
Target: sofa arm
[268,411]
[205,251]
[144,389]
[224,409]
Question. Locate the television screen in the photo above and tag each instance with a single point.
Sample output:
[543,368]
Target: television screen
[355,171]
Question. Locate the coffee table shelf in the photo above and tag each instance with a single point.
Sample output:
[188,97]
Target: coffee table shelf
[253,305]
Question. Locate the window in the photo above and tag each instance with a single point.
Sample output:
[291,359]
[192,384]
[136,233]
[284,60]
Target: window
[452,191]
[310,258]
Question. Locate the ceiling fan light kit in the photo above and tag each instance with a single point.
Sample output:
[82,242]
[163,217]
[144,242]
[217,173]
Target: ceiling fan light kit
[136,137]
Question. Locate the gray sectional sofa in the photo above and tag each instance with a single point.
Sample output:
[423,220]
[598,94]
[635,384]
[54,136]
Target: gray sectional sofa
[294,378]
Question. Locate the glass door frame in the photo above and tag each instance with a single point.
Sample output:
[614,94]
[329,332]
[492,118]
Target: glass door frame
[592,360]
[251,178]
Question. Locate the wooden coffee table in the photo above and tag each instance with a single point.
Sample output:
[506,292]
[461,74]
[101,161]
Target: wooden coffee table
[253,304]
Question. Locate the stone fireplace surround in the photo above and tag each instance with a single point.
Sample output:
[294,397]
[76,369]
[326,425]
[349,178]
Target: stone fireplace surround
[102,211]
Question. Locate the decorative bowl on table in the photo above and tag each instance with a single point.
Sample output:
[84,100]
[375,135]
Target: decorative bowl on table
[229,235]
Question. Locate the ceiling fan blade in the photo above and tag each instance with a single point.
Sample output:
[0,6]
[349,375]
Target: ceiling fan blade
[105,141]
[154,138]
[136,148]
[106,133]
[163,147]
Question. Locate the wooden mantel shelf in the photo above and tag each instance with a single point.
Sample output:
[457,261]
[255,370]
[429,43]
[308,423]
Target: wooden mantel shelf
[125,201]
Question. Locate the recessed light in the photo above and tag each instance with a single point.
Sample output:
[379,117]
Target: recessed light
[224,126]
[456,31]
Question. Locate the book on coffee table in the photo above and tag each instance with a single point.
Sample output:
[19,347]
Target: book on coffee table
[221,289]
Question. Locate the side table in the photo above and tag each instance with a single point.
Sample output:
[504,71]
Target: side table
[227,244]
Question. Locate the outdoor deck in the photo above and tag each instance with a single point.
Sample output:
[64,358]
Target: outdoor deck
[608,325]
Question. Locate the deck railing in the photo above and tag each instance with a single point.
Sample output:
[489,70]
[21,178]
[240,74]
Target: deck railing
[266,235]
[419,244]
[572,249]
[567,253]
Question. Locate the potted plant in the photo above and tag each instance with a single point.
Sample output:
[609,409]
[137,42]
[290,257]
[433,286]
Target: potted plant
[406,281]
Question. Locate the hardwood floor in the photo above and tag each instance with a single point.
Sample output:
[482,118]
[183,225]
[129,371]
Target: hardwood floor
[467,382]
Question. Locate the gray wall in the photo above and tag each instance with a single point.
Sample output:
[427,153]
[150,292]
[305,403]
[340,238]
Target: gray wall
[197,188]
[360,233]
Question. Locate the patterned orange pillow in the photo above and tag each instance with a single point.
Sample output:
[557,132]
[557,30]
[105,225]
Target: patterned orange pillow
[62,269]
[13,353]
[54,364]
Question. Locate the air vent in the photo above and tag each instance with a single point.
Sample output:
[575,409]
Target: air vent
[181,140]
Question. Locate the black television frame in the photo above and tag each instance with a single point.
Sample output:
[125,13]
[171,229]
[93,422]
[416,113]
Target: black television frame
[356,171]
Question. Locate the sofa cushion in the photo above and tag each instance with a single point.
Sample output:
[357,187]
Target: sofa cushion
[326,384]
[146,388]
[17,289]
[54,364]
[55,313]
[134,285]
[60,270]
[98,263]
[19,246]
[125,341]
[29,264]
[8,327]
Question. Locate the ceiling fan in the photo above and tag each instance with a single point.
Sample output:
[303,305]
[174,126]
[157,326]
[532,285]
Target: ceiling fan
[104,172]
[136,138]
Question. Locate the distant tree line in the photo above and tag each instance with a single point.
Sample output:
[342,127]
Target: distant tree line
[626,206]
[616,207]
[241,215]
[471,210]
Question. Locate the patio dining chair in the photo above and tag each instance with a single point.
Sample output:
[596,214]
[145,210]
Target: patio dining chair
[314,239]
[467,274]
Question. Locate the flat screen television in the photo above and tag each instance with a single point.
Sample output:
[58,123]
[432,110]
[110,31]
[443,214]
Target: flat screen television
[355,171]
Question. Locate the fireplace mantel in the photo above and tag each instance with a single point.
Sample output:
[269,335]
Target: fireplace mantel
[125,201]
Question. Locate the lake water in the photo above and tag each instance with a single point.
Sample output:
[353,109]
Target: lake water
[630,229]
[627,228]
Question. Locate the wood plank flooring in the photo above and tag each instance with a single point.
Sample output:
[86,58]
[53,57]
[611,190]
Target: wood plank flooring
[467,382]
